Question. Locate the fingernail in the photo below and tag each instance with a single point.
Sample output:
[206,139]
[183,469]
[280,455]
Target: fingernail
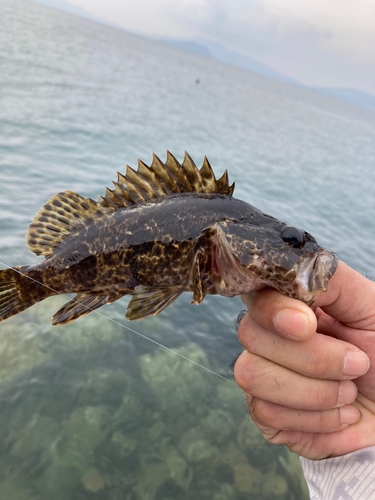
[356,363]
[293,323]
[347,392]
[349,415]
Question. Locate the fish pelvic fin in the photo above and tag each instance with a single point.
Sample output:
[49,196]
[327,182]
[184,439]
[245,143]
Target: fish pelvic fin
[58,218]
[82,304]
[150,301]
[163,179]
[17,292]
[198,291]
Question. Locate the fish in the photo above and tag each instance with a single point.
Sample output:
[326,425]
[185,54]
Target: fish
[163,230]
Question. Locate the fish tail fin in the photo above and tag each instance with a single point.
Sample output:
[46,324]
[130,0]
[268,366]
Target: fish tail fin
[16,294]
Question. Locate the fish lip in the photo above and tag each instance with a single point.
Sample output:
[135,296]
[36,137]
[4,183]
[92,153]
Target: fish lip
[314,274]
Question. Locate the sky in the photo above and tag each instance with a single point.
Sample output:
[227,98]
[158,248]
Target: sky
[327,43]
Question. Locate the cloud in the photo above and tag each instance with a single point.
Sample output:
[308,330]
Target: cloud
[319,42]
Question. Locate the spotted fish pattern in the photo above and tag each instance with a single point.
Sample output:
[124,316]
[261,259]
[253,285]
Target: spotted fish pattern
[163,230]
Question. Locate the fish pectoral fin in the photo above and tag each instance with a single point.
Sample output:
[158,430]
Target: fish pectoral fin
[198,292]
[150,301]
[81,305]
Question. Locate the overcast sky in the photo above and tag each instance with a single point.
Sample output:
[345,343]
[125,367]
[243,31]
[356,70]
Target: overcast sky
[318,42]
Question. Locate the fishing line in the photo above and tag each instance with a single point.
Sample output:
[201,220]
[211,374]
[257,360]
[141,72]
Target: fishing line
[120,324]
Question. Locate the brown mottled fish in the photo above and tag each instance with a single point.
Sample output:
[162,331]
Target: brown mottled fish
[165,229]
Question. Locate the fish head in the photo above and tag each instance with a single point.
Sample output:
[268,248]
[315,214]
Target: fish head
[272,253]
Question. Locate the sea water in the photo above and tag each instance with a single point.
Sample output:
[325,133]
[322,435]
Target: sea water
[91,409]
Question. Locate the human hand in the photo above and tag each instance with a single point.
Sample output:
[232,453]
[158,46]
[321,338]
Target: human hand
[307,382]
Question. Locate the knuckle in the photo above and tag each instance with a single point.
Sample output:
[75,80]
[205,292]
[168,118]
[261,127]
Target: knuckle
[263,413]
[244,372]
[322,396]
[321,363]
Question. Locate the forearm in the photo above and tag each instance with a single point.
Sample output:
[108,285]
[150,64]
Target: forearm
[349,477]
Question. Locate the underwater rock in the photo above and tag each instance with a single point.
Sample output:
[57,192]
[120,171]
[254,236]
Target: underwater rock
[41,434]
[130,409]
[230,393]
[178,468]
[82,432]
[9,491]
[247,479]
[217,425]
[274,485]
[202,451]
[20,349]
[156,430]
[227,492]
[174,380]
[149,479]
[92,480]
[59,482]
[249,437]
[124,444]
[292,470]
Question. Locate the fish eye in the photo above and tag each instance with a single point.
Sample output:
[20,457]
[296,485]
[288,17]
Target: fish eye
[293,236]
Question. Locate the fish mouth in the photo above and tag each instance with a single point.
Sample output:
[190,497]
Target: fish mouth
[314,274]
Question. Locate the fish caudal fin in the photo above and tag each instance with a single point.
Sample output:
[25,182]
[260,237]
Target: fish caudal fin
[15,293]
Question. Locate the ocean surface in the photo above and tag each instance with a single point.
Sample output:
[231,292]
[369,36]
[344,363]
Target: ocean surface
[93,409]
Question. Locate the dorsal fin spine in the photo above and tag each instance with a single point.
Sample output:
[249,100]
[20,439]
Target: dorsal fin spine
[178,173]
[150,176]
[192,173]
[162,172]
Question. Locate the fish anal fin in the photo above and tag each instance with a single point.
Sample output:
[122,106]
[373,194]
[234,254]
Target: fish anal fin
[81,305]
[54,222]
[150,301]
[198,291]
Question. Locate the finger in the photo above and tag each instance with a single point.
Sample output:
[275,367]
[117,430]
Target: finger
[287,317]
[352,305]
[319,356]
[271,418]
[273,383]
[322,445]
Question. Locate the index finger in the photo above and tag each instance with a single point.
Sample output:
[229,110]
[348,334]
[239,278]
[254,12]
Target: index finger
[280,314]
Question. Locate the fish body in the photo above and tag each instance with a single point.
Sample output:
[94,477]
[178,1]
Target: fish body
[163,230]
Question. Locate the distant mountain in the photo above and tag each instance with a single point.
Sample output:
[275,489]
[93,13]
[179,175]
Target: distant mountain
[65,6]
[217,51]
[187,45]
[357,97]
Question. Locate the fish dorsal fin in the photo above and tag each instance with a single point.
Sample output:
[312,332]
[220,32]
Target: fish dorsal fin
[54,222]
[163,179]
[67,210]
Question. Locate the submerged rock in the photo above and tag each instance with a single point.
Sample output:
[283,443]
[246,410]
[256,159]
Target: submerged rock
[39,435]
[124,444]
[174,381]
[179,470]
[247,479]
[217,425]
[9,491]
[149,479]
[92,480]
